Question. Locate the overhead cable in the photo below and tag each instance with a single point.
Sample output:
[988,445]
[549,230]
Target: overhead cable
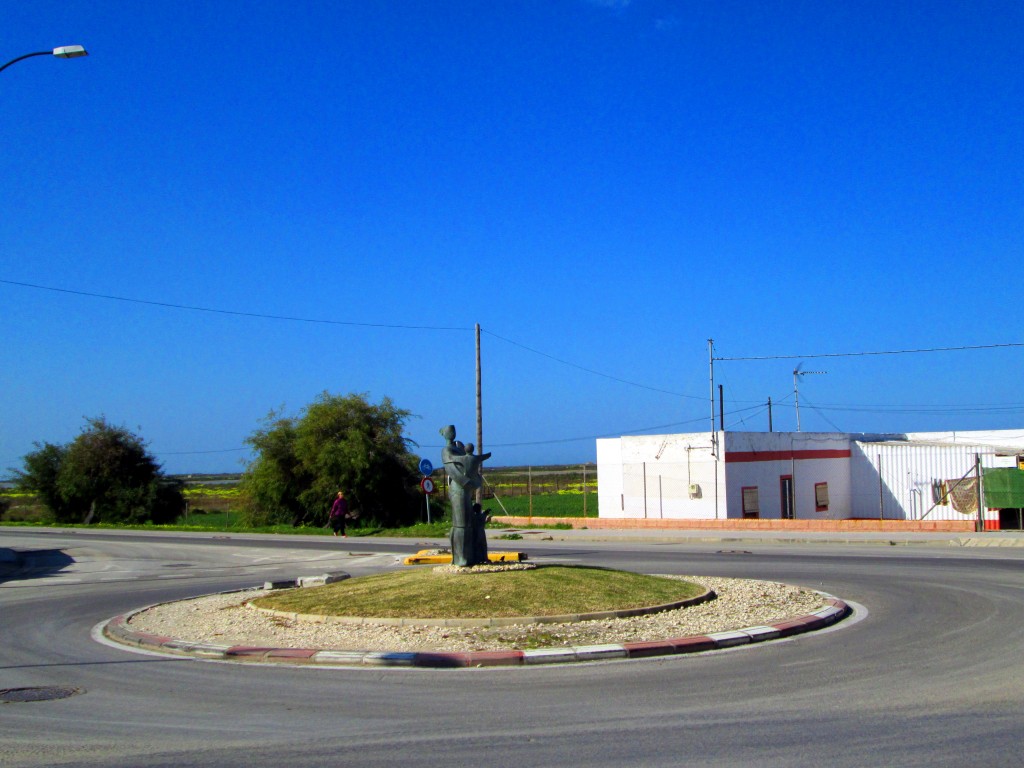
[589,370]
[350,323]
[236,313]
[877,352]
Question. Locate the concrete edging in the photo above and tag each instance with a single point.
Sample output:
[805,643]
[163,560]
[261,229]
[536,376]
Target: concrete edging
[835,609]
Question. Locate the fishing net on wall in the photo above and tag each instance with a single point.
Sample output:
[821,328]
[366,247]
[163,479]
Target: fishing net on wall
[963,494]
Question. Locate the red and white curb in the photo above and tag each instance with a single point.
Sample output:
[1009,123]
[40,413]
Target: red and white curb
[117,629]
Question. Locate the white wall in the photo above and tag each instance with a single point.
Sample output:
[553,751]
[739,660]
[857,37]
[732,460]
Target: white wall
[761,459]
[609,477]
[650,476]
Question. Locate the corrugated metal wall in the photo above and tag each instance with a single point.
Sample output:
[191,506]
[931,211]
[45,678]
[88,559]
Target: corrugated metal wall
[906,481]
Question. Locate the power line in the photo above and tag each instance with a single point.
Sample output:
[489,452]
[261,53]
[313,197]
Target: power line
[591,437]
[866,354]
[760,408]
[619,433]
[822,414]
[924,410]
[289,318]
[402,326]
[195,453]
[509,445]
[589,370]
[237,313]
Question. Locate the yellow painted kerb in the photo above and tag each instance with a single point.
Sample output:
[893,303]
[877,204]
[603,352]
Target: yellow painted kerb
[423,557]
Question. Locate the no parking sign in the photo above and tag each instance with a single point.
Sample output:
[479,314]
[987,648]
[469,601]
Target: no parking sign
[426,483]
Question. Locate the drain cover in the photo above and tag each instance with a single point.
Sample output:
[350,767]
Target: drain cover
[18,695]
[734,552]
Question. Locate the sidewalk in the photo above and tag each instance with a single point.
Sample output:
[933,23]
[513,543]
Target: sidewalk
[697,535]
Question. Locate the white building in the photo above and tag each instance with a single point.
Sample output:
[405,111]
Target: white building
[803,476]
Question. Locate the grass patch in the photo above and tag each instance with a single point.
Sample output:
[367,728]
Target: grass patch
[544,505]
[435,530]
[424,593]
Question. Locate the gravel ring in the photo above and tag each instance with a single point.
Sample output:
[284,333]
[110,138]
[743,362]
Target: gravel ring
[224,619]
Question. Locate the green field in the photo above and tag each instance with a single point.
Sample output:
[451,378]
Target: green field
[213,501]
[545,505]
[555,491]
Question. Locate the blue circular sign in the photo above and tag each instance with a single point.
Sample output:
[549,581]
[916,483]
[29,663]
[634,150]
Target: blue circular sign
[426,467]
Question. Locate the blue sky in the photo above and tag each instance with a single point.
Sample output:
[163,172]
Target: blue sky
[602,186]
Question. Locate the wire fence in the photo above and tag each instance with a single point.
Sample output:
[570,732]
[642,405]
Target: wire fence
[565,491]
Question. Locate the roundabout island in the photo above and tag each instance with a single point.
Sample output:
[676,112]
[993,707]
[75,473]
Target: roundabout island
[482,616]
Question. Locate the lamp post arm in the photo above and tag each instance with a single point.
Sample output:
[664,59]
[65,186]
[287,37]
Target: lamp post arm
[61,52]
[26,56]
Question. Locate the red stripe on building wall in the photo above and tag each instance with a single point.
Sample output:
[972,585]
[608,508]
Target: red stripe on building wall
[742,456]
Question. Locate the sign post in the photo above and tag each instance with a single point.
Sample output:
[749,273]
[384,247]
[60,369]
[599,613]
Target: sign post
[426,484]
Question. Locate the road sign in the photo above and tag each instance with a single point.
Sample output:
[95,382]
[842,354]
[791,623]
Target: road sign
[427,485]
[426,467]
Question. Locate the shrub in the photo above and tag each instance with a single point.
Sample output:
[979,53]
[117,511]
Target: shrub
[104,475]
[336,442]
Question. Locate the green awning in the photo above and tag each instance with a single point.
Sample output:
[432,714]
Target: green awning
[1004,488]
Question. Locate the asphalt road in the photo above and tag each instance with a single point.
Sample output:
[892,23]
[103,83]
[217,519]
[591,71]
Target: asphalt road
[929,672]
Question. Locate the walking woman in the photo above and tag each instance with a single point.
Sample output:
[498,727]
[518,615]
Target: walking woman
[339,511]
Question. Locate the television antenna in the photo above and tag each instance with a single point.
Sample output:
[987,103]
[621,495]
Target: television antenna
[797,373]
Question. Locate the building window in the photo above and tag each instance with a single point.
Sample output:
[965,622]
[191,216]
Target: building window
[751,506]
[821,497]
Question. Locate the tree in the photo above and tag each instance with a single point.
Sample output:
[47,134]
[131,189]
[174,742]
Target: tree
[42,468]
[337,442]
[104,475]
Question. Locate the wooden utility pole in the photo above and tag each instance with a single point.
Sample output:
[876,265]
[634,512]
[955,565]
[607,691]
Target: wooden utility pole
[479,413]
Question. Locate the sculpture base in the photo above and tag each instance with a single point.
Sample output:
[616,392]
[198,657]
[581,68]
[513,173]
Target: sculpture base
[444,557]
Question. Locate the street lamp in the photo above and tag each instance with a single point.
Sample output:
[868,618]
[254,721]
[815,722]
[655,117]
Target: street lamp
[63,52]
[796,389]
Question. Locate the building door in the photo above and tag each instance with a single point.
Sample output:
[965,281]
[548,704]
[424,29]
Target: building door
[786,494]
[1011,519]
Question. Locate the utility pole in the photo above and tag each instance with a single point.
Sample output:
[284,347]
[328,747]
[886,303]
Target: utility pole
[770,415]
[711,368]
[479,413]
